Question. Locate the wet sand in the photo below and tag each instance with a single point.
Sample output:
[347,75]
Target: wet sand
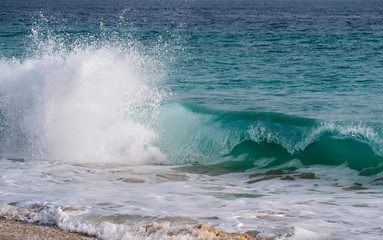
[16,230]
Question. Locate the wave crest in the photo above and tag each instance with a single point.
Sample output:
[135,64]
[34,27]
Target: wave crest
[207,136]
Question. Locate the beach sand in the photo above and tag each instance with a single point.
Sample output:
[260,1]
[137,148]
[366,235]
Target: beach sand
[16,230]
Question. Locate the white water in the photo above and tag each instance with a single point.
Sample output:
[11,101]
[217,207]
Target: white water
[85,106]
[116,202]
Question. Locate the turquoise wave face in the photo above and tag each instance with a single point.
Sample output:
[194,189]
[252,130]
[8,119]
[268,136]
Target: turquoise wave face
[326,151]
[232,141]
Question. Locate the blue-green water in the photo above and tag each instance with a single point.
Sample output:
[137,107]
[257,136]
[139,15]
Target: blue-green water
[211,88]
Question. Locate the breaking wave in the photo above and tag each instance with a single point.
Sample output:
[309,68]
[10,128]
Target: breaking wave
[243,140]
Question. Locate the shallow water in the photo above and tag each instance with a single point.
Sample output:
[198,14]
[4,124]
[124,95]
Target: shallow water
[317,201]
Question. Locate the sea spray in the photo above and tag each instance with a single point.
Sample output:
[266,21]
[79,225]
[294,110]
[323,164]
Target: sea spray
[88,105]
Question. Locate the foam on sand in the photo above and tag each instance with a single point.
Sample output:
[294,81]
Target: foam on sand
[10,230]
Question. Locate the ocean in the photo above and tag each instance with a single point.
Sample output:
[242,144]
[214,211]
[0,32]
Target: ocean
[130,119]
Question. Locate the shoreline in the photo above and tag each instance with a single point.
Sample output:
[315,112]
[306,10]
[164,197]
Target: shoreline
[15,230]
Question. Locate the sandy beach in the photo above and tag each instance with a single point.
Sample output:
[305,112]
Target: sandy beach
[16,230]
